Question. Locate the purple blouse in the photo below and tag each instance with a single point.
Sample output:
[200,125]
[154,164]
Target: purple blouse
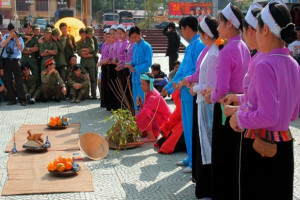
[121,51]
[113,52]
[273,93]
[259,56]
[104,51]
[232,66]
[194,78]
[129,51]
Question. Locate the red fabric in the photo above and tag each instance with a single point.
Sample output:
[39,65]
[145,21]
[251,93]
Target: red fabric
[150,107]
[172,125]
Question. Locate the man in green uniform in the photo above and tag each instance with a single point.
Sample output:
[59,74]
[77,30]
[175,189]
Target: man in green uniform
[70,40]
[52,84]
[78,84]
[85,48]
[29,52]
[72,63]
[61,63]
[37,35]
[48,48]
[31,89]
[91,35]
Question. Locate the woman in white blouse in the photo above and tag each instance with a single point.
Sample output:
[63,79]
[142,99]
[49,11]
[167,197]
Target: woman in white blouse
[207,79]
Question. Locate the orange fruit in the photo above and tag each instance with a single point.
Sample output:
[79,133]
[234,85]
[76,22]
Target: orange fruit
[61,167]
[60,158]
[68,165]
[59,123]
[69,160]
[56,161]
[50,167]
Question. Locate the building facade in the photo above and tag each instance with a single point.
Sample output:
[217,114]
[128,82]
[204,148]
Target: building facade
[21,10]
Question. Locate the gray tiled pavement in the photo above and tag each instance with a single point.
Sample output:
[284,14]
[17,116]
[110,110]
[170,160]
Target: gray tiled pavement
[139,173]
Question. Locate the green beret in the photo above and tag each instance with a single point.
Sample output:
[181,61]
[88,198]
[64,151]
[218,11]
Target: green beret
[47,30]
[35,26]
[90,30]
[55,32]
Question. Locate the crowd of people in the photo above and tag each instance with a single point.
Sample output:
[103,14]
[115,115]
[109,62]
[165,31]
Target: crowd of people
[239,89]
[44,67]
[236,91]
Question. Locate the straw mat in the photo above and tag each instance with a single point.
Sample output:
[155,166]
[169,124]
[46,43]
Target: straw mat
[61,139]
[28,174]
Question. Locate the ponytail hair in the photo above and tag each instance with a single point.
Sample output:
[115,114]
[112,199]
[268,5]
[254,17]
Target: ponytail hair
[282,17]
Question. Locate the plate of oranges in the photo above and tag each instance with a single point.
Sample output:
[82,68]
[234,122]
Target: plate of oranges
[62,166]
[58,122]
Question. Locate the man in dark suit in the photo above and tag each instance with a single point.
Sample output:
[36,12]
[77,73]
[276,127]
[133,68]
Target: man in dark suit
[173,44]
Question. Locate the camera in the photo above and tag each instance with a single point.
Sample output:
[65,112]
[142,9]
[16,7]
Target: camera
[9,51]
[18,34]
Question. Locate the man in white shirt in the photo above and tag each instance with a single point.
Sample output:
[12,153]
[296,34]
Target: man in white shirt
[295,46]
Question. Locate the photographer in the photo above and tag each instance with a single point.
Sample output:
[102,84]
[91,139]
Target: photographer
[173,44]
[13,46]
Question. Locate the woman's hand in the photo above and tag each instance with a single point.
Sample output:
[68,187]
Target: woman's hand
[229,99]
[206,93]
[230,110]
[233,123]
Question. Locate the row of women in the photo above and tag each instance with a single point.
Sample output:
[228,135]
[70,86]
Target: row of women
[240,100]
[116,52]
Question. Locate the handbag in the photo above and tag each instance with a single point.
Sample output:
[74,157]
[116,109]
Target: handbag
[265,147]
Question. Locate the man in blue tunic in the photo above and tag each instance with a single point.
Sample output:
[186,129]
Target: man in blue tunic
[141,62]
[188,26]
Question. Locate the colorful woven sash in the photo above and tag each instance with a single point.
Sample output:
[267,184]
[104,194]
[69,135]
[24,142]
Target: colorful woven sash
[276,136]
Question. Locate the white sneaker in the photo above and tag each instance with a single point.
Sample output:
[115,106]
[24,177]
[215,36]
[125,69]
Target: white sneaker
[187,170]
[180,163]
[32,100]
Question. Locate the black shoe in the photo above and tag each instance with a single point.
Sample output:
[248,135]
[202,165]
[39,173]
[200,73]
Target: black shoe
[45,100]
[23,103]
[56,100]
[12,103]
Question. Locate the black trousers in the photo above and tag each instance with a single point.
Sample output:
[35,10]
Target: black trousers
[225,154]
[172,60]
[267,178]
[12,71]
[112,101]
[201,173]
[104,86]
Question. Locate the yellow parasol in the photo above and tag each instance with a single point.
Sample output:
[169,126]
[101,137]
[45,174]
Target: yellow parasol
[73,24]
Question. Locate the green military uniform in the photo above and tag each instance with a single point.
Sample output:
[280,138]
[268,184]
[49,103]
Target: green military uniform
[60,60]
[88,63]
[68,49]
[39,59]
[70,74]
[70,71]
[78,94]
[30,86]
[49,45]
[52,85]
[32,57]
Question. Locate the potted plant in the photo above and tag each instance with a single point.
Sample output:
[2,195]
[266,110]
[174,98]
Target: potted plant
[124,131]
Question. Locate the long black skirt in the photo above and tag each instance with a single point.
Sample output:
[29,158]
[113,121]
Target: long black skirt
[225,153]
[267,178]
[112,101]
[201,173]
[104,86]
[125,80]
